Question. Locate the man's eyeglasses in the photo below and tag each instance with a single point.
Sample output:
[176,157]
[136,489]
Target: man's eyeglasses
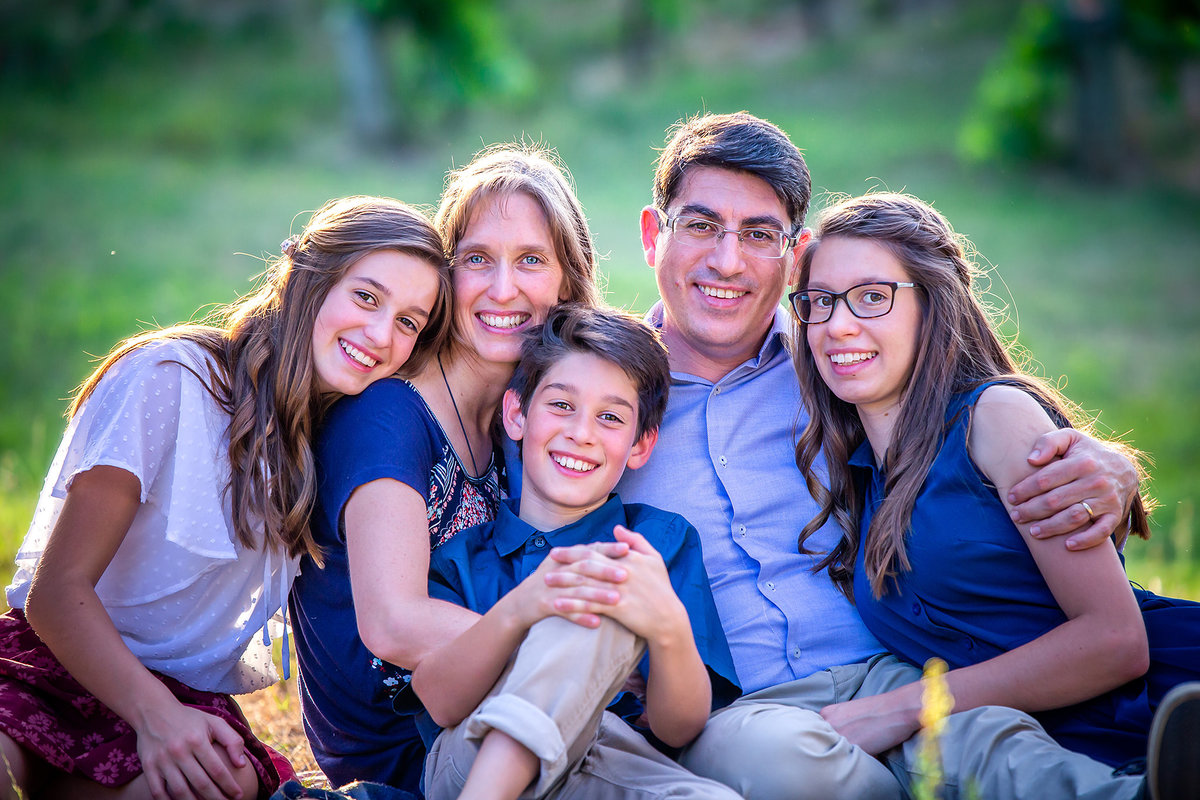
[701,232]
[865,301]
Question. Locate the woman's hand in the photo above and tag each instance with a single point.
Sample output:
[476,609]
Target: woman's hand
[187,753]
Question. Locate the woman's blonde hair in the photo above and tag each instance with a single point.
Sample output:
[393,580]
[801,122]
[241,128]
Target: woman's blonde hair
[502,170]
[262,361]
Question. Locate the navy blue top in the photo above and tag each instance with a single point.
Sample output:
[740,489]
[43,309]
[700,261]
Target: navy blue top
[345,691]
[479,566]
[974,592]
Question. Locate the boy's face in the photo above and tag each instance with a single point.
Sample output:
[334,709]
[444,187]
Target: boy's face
[578,435]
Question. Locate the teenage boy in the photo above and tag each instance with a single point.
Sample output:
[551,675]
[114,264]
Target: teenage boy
[516,705]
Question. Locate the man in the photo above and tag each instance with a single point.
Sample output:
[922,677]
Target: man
[726,460]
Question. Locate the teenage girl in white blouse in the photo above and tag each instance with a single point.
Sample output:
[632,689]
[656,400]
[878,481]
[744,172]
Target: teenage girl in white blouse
[175,511]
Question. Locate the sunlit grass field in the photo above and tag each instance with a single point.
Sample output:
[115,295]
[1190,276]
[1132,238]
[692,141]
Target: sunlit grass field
[154,186]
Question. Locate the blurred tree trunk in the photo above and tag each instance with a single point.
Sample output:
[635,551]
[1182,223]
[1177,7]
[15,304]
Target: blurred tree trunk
[1092,30]
[364,73]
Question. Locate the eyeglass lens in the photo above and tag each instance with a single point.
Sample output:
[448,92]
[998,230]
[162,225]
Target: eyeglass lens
[765,242]
[865,301]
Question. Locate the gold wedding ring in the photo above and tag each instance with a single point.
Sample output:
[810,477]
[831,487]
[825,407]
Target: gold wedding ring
[1087,508]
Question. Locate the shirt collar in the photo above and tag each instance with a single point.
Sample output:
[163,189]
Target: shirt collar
[511,532]
[779,337]
[863,456]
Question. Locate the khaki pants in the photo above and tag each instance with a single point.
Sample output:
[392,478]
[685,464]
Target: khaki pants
[551,699]
[774,744]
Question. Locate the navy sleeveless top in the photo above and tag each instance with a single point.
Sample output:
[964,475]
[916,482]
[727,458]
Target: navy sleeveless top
[974,592]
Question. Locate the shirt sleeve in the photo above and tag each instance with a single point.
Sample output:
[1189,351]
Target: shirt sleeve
[445,578]
[152,415]
[384,432]
[130,420]
[685,566]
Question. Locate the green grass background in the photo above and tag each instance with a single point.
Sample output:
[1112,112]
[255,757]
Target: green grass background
[155,185]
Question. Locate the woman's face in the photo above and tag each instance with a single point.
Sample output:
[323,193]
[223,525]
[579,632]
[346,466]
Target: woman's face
[866,362]
[507,275]
[369,322]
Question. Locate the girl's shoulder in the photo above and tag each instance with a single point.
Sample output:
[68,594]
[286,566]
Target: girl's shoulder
[387,418]
[1005,423]
[388,403]
[174,360]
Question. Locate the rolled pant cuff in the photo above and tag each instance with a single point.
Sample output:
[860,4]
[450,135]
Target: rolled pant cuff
[528,725]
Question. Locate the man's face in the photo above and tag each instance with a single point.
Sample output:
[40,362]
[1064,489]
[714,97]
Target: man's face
[718,301]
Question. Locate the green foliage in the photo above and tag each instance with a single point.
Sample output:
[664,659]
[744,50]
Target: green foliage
[1024,84]
[128,198]
[1020,109]
[451,54]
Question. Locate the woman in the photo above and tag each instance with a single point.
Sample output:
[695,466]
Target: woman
[176,510]
[408,464]
[905,375]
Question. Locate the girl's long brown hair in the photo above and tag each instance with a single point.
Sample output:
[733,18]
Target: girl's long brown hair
[959,349]
[262,361]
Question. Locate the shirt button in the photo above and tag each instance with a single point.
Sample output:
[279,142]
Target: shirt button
[717,390]
[796,653]
[771,585]
[722,460]
[916,608]
[742,530]
[539,541]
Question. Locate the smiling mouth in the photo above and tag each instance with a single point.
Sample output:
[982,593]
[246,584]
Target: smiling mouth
[503,320]
[721,294]
[575,464]
[357,355]
[851,358]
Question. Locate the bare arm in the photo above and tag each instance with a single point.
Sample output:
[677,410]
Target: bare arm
[1073,468]
[178,746]
[1100,646]
[387,539]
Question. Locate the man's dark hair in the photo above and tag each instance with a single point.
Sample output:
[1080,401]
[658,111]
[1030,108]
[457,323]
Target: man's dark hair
[613,335]
[740,142]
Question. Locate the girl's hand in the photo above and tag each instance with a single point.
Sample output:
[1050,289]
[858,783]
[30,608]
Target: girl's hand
[187,754]
[879,723]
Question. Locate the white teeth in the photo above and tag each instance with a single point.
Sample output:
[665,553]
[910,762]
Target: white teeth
[357,355]
[850,358]
[503,321]
[572,463]
[724,294]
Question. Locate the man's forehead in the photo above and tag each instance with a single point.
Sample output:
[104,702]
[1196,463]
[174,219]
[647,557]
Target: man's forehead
[729,195]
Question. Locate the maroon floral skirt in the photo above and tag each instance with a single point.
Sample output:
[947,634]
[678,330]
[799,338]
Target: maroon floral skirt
[51,715]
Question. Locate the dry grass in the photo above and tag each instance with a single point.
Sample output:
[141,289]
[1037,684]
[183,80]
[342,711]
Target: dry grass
[274,714]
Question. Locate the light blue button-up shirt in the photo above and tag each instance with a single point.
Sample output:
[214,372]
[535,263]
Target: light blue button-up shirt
[725,460]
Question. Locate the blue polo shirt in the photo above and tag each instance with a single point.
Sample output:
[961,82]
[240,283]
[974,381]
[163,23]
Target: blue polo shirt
[726,459]
[482,564]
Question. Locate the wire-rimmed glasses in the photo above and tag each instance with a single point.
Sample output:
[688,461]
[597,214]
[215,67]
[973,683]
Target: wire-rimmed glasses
[755,241]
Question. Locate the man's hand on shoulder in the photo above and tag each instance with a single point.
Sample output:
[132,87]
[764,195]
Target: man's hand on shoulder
[1083,488]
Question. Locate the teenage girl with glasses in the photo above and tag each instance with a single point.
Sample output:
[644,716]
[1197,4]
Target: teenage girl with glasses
[926,419]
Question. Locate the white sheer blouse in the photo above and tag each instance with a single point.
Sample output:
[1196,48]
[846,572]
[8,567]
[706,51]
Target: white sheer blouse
[185,597]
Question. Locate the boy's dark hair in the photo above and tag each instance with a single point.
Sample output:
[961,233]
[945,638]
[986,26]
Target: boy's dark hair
[740,142]
[613,335]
